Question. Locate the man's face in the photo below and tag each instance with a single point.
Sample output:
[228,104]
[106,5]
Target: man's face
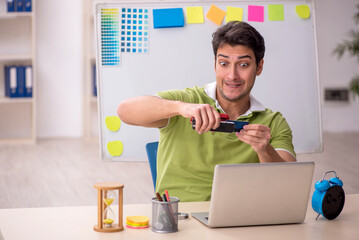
[236,71]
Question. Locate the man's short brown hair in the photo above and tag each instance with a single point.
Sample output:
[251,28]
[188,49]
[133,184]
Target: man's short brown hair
[239,33]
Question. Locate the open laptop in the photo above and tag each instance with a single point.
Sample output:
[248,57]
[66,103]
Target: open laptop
[258,194]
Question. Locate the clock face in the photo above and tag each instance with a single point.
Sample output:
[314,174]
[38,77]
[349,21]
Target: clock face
[333,202]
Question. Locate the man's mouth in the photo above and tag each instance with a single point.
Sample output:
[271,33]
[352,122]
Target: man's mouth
[233,85]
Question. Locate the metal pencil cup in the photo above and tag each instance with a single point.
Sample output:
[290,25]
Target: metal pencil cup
[165,215]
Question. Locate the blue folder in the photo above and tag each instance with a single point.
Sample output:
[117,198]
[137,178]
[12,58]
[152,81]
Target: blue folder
[20,74]
[11,5]
[20,5]
[94,83]
[11,82]
[28,5]
[28,81]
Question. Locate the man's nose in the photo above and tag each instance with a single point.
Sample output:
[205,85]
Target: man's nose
[233,73]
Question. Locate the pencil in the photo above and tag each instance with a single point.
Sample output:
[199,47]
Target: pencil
[159,198]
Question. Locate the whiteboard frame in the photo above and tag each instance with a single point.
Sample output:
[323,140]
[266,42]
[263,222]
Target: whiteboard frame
[253,2]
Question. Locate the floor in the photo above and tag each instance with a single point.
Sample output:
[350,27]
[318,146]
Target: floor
[62,172]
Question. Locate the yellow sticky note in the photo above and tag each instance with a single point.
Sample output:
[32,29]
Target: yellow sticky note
[113,123]
[234,14]
[195,15]
[137,219]
[276,12]
[216,15]
[115,148]
[303,11]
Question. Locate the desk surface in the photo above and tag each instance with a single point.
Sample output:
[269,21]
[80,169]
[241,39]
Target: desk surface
[77,223]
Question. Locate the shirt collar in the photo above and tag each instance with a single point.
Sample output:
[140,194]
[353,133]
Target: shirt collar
[254,106]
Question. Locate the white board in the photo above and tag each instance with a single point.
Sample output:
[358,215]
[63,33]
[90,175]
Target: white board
[183,57]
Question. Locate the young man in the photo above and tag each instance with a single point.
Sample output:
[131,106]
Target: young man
[186,158]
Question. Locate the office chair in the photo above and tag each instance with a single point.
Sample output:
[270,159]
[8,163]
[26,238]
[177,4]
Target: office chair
[151,149]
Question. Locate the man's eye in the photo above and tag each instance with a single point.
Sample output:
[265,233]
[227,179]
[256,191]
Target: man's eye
[244,64]
[222,63]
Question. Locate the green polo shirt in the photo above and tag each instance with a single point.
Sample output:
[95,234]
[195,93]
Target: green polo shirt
[186,160]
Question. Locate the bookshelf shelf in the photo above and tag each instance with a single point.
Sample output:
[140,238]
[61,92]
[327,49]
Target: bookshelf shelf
[16,14]
[16,100]
[15,57]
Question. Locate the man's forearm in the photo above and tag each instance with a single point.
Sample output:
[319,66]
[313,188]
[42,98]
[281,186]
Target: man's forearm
[271,155]
[148,111]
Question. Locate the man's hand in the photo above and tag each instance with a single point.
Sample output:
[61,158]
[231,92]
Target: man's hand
[206,116]
[258,136]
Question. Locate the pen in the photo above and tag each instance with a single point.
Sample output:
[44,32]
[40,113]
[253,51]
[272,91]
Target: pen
[164,198]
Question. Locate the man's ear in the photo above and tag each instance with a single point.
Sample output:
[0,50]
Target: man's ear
[260,67]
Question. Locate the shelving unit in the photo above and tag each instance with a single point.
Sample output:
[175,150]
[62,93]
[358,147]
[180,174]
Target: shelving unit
[90,101]
[17,47]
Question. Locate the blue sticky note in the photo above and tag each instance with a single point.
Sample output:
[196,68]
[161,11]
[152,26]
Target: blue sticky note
[168,18]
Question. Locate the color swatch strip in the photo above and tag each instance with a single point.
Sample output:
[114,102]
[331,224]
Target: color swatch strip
[110,39]
[134,30]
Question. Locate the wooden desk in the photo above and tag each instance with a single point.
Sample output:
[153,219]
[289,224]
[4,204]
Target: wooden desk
[77,223]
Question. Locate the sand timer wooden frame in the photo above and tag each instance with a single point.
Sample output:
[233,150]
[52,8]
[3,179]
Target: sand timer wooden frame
[102,189]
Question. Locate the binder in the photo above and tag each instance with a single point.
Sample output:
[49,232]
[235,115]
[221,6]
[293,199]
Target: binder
[94,83]
[28,81]
[11,5]
[20,74]
[20,5]
[11,81]
[28,5]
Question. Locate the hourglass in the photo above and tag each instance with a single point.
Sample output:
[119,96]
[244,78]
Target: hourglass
[108,215]
[106,196]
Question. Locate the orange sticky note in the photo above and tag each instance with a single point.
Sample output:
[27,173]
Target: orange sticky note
[216,15]
[194,15]
[137,219]
[234,14]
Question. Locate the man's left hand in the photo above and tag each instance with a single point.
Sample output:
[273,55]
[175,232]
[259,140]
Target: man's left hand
[258,136]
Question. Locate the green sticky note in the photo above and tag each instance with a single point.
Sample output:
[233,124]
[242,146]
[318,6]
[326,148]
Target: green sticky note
[276,12]
[234,14]
[194,15]
[115,148]
[303,11]
[113,123]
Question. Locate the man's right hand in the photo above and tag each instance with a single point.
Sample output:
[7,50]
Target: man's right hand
[153,111]
[206,116]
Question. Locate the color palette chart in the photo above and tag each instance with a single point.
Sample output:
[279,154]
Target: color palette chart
[134,30]
[110,49]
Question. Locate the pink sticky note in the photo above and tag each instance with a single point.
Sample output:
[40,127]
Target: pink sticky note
[255,13]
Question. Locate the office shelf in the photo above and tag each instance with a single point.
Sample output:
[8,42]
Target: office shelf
[17,47]
[90,101]
[15,57]
[16,100]
[15,14]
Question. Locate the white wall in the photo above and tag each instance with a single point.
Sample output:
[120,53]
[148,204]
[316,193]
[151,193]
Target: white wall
[59,66]
[334,20]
